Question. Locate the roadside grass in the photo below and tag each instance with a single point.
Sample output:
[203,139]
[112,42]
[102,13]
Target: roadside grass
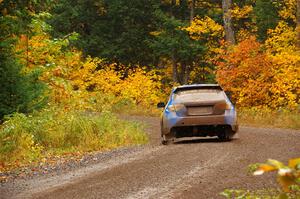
[101,102]
[27,139]
[126,107]
[264,117]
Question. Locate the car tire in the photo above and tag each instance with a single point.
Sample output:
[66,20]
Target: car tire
[164,140]
[225,135]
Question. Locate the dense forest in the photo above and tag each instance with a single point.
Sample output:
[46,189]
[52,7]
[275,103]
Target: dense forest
[250,47]
[58,56]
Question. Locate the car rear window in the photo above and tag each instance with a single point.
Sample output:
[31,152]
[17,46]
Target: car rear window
[198,95]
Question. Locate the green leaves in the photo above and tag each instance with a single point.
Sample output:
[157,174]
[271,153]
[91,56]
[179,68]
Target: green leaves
[266,17]
[19,91]
[116,30]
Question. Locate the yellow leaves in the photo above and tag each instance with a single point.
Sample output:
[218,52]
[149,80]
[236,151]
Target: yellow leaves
[155,33]
[142,88]
[243,34]
[286,88]
[282,38]
[294,163]
[78,82]
[241,13]
[210,31]
[289,10]
[287,175]
[205,27]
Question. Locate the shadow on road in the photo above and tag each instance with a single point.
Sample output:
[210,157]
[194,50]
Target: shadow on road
[200,140]
[195,140]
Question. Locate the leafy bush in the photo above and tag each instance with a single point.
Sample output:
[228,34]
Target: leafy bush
[24,139]
[260,78]
[17,143]
[288,177]
[263,74]
[139,87]
[87,83]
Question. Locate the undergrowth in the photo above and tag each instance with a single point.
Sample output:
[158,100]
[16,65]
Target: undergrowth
[25,139]
[266,117]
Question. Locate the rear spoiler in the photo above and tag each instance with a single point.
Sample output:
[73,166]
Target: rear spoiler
[193,87]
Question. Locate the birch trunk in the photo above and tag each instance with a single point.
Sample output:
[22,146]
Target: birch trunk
[229,33]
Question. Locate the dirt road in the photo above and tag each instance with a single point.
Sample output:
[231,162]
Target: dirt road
[199,168]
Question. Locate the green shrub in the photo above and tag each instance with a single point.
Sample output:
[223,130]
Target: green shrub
[19,91]
[17,143]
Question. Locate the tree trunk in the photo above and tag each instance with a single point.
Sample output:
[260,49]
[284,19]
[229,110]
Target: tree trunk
[173,5]
[192,15]
[174,69]
[229,33]
[298,25]
[173,58]
[184,73]
[187,73]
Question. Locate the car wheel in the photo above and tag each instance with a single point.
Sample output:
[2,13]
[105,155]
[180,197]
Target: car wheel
[225,135]
[164,140]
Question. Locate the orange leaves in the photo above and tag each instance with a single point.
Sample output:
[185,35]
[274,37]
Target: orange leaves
[258,78]
[245,71]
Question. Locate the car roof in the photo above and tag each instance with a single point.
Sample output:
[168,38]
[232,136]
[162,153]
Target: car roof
[197,86]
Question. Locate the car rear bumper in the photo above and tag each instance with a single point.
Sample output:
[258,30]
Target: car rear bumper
[214,120]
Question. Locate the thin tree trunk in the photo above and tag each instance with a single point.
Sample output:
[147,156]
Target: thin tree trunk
[173,58]
[298,25]
[184,73]
[229,33]
[187,73]
[174,69]
[192,15]
[173,4]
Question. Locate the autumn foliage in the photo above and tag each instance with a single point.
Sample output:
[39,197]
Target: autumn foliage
[124,57]
[85,83]
[246,71]
[258,78]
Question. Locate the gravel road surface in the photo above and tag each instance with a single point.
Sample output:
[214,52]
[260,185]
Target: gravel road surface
[198,168]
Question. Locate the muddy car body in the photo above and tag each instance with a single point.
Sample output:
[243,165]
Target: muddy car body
[198,110]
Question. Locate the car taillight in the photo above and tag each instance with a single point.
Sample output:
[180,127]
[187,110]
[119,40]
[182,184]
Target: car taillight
[175,107]
[171,108]
[222,106]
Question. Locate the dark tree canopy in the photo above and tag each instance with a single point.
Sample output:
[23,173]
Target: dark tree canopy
[19,91]
[118,30]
